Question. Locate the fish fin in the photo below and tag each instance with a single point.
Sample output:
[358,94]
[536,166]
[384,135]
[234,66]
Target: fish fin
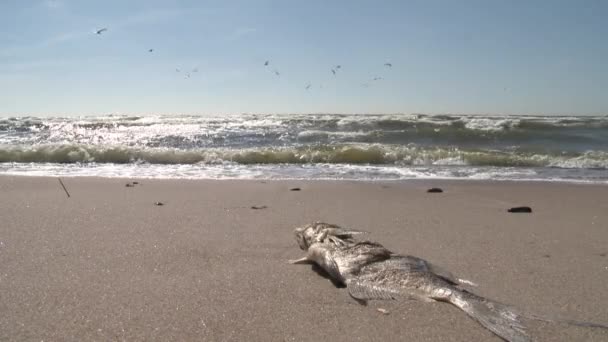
[303,260]
[443,273]
[449,276]
[566,321]
[362,291]
[467,282]
[500,319]
[341,232]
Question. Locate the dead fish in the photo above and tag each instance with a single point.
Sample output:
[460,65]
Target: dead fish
[372,272]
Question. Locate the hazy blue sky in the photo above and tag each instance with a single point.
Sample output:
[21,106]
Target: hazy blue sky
[486,56]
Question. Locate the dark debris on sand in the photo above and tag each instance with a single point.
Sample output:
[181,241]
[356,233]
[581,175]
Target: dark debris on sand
[434,190]
[520,210]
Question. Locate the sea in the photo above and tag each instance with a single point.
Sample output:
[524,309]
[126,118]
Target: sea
[309,147]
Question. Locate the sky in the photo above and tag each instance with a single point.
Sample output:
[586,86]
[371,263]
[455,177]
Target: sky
[478,57]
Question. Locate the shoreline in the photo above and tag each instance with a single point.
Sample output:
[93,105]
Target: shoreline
[322,180]
[107,263]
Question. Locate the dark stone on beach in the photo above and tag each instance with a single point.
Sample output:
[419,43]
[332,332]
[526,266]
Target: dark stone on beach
[135,183]
[159,203]
[547,255]
[129,185]
[520,210]
[602,254]
[295,189]
[255,207]
[434,190]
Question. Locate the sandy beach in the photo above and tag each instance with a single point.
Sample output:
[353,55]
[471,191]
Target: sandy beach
[107,264]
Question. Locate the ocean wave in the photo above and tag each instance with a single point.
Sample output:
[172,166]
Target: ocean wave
[304,172]
[373,154]
[245,131]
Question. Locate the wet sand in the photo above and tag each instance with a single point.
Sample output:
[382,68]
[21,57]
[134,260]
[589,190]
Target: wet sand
[109,264]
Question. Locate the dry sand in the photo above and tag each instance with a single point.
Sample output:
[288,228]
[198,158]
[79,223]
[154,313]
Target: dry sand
[108,264]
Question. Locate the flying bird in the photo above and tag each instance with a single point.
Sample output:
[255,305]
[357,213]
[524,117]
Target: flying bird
[308,86]
[151,50]
[100,31]
[388,65]
[195,70]
[333,71]
[377,78]
[338,67]
[177,70]
[277,73]
[266,63]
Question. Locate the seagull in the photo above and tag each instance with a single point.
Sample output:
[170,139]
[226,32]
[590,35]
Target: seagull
[388,65]
[101,30]
[338,66]
[308,86]
[150,50]
[187,75]
[266,63]
[277,73]
[377,78]
[333,72]
[177,70]
[195,70]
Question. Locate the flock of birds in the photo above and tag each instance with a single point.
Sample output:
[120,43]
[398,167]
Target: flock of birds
[334,70]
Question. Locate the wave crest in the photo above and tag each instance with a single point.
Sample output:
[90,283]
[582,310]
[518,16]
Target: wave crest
[374,154]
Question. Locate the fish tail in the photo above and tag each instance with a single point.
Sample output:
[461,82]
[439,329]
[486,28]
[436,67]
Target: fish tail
[500,319]
[583,324]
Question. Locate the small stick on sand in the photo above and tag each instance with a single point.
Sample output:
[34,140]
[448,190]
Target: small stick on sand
[63,186]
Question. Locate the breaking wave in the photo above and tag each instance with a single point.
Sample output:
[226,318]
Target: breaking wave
[316,146]
[312,154]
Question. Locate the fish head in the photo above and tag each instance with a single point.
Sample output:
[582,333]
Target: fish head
[320,232]
[306,236]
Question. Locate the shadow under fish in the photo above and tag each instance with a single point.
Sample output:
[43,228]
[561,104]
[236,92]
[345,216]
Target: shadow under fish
[369,271]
